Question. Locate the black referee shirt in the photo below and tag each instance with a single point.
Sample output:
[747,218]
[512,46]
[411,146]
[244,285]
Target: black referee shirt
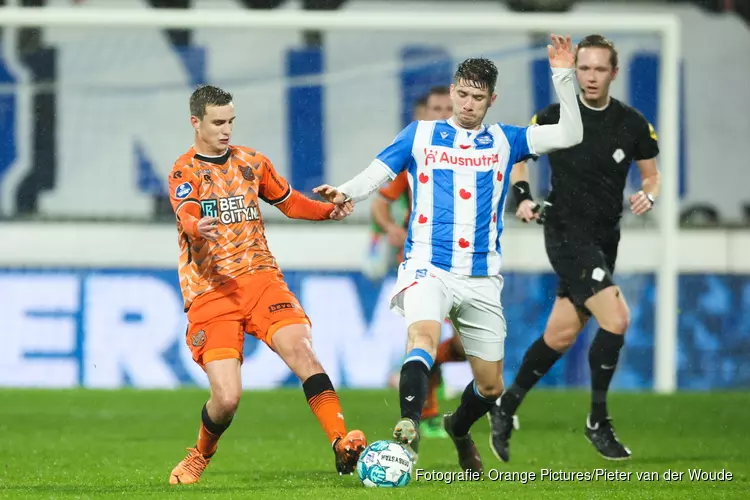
[588,180]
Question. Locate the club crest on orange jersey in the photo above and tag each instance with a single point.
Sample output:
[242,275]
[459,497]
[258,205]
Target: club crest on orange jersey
[247,173]
[198,339]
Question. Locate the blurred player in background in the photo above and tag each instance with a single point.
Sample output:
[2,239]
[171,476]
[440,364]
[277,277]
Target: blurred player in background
[438,106]
[581,232]
[231,284]
[459,170]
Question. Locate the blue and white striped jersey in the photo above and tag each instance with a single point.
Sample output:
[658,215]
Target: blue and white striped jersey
[459,182]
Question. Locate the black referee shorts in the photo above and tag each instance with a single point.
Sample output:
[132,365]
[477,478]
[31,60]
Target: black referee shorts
[583,261]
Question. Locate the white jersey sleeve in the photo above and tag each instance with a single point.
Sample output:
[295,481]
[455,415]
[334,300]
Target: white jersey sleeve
[569,130]
[393,160]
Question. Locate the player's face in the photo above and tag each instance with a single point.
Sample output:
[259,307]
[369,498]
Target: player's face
[470,104]
[214,130]
[595,72]
[439,107]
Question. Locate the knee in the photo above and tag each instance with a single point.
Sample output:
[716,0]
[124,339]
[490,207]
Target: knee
[227,402]
[490,390]
[560,339]
[618,322]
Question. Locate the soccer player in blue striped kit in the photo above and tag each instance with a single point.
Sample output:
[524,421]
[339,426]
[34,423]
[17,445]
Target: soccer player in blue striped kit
[459,173]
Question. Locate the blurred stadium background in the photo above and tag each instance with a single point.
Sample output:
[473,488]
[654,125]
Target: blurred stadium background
[91,120]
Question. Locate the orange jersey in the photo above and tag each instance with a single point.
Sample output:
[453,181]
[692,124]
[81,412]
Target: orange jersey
[228,187]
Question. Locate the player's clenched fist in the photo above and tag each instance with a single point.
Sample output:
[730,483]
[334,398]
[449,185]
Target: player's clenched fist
[207,228]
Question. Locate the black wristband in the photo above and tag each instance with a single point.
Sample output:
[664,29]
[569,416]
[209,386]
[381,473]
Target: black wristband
[522,192]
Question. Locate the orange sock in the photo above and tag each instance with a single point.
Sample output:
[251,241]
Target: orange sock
[207,442]
[431,408]
[446,352]
[324,403]
[209,434]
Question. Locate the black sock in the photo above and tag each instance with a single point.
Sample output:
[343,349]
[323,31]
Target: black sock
[473,406]
[537,361]
[603,355]
[210,425]
[412,388]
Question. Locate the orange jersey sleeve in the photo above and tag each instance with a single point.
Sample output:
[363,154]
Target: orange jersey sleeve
[273,188]
[183,194]
[397,187]
[299,206]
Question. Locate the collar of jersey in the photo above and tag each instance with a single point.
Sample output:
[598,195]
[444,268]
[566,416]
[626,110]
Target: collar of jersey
[472,133]
[216,160]
[592,108]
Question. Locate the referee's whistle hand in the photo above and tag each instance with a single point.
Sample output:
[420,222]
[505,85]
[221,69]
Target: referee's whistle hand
[526,212]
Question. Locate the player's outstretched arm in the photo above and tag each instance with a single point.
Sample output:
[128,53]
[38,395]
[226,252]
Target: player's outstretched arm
[569,130]
[275,190]
[358,188]
[387,165]
[299,206]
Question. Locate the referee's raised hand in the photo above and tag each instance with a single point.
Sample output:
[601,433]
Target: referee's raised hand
[560,53]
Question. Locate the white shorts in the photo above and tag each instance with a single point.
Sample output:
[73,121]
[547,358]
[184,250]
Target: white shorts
[424,292]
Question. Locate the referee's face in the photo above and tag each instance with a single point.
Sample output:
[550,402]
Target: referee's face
[470,104]
[595,73]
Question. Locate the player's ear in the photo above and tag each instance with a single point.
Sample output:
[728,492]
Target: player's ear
[195,122]
[492,98]
[615,72]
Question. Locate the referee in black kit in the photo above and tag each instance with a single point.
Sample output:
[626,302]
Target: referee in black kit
[581,231]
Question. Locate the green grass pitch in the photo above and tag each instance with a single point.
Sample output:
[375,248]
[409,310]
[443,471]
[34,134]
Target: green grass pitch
[123,444]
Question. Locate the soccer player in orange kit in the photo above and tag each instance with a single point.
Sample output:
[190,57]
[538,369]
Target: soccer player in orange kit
[232,285]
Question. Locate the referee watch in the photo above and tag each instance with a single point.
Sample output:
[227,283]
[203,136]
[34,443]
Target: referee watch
[650,197]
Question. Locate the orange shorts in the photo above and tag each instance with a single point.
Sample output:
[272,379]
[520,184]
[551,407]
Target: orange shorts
[257,304]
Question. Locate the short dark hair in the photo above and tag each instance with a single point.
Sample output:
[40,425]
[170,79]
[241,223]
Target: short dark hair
[421,101]
[439,90]
[601,42]
[207,95]
[478,72]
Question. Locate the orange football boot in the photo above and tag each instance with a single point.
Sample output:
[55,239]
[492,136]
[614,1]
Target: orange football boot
[189,470]
[347,450]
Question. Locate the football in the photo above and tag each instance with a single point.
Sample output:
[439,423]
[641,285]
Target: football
[384,464]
